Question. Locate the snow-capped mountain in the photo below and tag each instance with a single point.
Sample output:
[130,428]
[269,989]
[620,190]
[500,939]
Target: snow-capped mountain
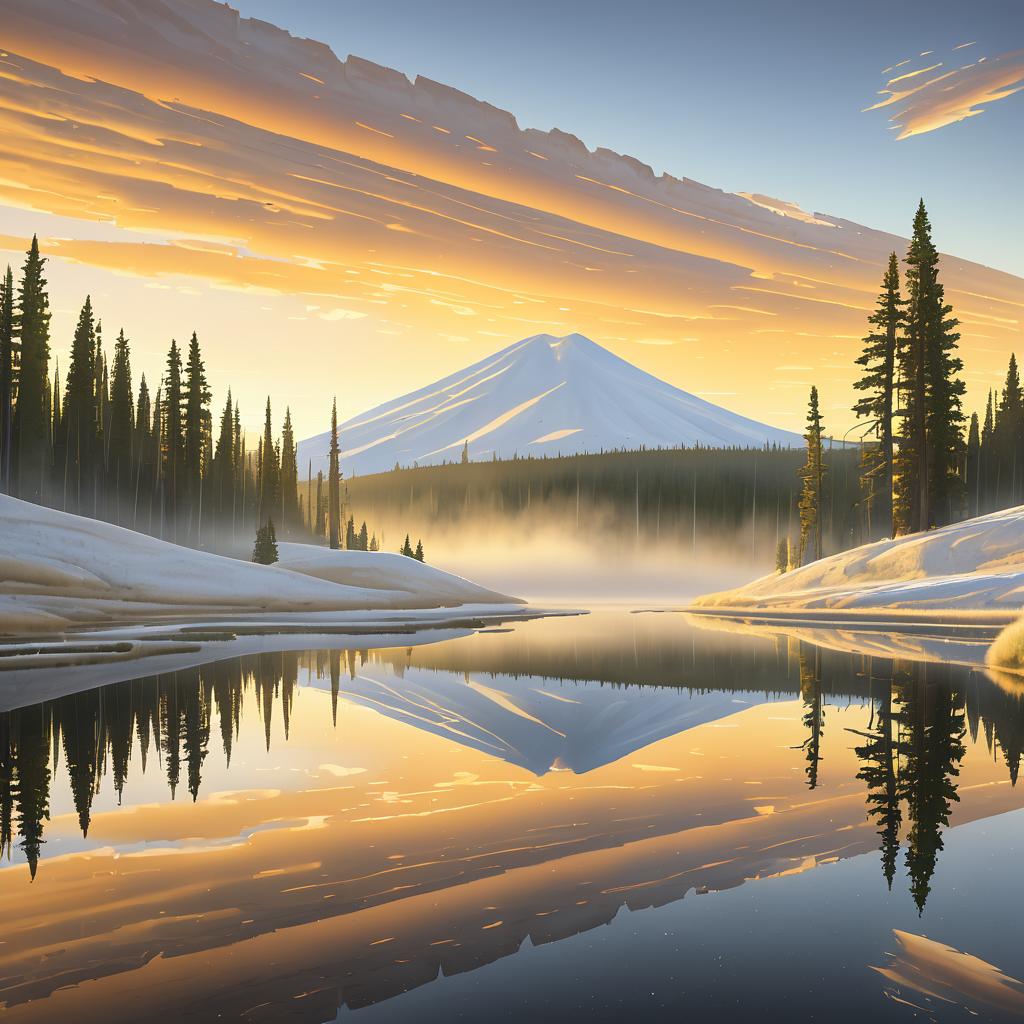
[541,396]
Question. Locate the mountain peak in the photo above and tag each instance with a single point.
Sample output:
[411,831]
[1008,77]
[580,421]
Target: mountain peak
[543,395]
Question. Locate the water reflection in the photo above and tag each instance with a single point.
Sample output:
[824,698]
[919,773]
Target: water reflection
[375,817]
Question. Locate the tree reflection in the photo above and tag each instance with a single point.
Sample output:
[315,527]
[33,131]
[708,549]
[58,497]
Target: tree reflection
[814,715]
[909,754]
[912,757]
[879,758]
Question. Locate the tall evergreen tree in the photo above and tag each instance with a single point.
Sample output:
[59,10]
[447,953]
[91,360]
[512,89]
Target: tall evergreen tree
[173,442]
[196,423]
[100,395]
[142,450]
[223,469]
[973,467]
[270,473]
[877,405]
[122,419]
[930,490]
[76,448]
[290,519]
[813,476]
[987,457]
[334,484]
[7,297]
[31,414]
[1008,436]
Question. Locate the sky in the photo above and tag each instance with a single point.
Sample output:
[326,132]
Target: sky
[745,96]
[330,230]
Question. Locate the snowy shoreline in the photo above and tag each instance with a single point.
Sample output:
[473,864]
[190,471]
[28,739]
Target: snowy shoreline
[60,572]
[962,571]
[955,593]
[84,602]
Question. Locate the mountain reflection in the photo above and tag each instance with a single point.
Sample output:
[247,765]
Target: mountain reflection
[460,839]
[909,756]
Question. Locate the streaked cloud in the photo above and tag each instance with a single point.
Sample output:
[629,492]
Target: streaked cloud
[945,93]
[325,190]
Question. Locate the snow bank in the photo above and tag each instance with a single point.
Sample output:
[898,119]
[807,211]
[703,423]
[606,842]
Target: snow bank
[975,566]
[59,570]
[381,570]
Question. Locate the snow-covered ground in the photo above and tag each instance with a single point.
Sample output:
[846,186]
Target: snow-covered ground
[59,571]
[541,396]
[973,569]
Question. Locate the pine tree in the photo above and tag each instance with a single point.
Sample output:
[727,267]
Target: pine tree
[31,415]
[174,434]
[877,406]
[362,541]
[57,428]
[122,417]
[99,391]
[289,476]
[320,519]
[782,555]
[7,297]
[929,489]
[351,542]
[465,453]
[270,471]
[76,448]
[406,548]
[418,553]
[144,465]
[196,423]
[973,466]
[265,549]
[1008,436]
[987,458]
[374,545]
[334,484]
[813,476]
[223,468]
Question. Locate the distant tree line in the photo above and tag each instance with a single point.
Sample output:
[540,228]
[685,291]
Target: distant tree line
[693,498]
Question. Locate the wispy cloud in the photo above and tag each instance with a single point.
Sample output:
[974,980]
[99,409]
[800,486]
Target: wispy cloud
[944,93]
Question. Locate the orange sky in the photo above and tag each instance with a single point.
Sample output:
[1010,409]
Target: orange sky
[330,227]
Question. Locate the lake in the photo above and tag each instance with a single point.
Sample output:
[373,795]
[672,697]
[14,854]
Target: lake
[603,817]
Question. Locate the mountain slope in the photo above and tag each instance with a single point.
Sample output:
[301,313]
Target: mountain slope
[540,396]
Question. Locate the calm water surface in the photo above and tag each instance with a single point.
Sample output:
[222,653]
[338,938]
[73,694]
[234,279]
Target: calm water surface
[609,817]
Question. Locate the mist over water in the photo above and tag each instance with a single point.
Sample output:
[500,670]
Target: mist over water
[606,565]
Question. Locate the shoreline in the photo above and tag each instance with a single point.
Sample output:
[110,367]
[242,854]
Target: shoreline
[863,618]
[35,668]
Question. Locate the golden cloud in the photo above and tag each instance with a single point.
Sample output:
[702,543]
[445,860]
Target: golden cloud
[929,101]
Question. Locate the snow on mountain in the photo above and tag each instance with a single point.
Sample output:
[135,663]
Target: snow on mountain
[541,396]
